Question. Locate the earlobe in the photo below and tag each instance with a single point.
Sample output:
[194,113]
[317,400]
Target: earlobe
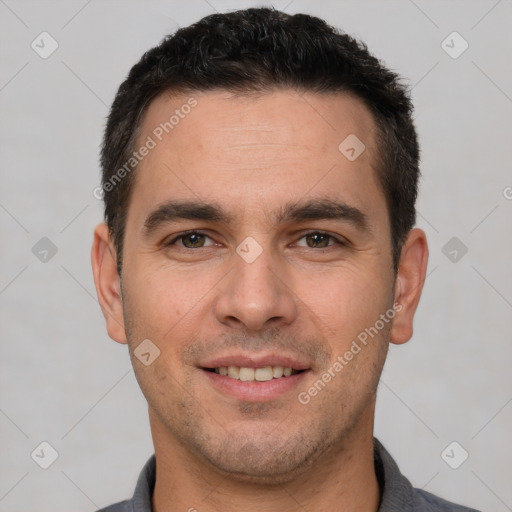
[107,282]
[409,284]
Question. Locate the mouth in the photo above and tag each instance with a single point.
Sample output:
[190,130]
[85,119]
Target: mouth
[250,374]
[255,378]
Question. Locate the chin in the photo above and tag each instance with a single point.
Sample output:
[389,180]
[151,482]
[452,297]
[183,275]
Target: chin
[264,461]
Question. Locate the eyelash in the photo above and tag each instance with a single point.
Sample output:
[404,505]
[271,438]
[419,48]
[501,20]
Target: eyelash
[336,240]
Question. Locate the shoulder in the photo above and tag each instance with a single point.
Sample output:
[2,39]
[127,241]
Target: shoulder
[426,502]
[399,494]
[141,500]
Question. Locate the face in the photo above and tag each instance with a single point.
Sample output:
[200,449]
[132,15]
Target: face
[255,247]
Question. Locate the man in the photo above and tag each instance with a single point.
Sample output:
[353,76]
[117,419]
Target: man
[260,175]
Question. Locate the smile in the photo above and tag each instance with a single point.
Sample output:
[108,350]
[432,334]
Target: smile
[248,374]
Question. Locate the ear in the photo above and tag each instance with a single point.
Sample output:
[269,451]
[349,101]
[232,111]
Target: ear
[108,282]
[409,284]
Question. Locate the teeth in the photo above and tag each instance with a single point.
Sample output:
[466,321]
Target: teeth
[263,374]
[246,374]
[233,372]
[277,372]
[252,374]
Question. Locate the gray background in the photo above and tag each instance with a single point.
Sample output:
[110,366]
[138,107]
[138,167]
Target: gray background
[65,382]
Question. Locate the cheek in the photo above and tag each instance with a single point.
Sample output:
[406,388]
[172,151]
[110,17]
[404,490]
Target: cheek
[346,301]
[167,306]
[159,290]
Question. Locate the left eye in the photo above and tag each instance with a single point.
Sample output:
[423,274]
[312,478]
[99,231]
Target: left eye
[192,240]
[318,240]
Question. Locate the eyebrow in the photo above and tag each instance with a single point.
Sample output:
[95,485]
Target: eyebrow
[321,209]
[315,209]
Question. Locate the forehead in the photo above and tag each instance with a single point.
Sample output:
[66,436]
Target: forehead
[256,151]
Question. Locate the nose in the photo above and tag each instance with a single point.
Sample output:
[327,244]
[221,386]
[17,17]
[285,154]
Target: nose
[256,295]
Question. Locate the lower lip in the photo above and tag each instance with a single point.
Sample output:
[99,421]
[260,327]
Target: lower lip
[255,391]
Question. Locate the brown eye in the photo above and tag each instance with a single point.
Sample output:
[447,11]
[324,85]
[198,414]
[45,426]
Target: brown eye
[317,240]
[191,240]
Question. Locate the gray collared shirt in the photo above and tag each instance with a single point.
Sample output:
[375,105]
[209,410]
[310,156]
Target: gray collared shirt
[398,495]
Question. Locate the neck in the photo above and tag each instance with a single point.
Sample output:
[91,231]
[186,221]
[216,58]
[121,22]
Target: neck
[342,479]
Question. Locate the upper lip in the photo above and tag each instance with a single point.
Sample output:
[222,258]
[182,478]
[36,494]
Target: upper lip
[256,361]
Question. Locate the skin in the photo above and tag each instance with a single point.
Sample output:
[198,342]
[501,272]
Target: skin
[251,156]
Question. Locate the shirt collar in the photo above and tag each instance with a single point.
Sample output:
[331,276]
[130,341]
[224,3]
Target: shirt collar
[396,491]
